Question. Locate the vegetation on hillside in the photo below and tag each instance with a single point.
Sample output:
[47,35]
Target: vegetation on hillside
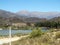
[50,24]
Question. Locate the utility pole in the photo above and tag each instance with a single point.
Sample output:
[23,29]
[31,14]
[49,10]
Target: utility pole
[9,25]
[10,35]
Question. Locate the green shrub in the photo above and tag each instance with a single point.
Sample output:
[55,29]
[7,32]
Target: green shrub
[36,33]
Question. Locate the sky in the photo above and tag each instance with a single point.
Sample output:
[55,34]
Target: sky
[30,5]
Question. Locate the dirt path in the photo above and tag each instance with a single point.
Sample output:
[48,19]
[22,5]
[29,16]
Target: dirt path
[7,40]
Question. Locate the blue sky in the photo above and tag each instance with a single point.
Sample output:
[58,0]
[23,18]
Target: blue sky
[30,5]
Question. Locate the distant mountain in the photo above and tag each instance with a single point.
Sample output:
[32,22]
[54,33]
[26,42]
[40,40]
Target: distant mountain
[23,13]
[6,17]
[56,19]
[47,15]
[6,14]
[26,16]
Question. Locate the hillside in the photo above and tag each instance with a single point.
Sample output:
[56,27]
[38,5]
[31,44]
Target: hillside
[56,19]
[25,16]
[13,17]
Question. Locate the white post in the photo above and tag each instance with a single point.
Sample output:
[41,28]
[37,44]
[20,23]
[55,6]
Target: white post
[10,35]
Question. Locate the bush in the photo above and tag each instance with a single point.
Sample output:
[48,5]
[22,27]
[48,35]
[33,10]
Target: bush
[36,33]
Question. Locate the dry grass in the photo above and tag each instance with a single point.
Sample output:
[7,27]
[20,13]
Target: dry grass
[46,39]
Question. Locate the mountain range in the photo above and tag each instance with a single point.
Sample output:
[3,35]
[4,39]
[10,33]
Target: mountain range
[47,15]
[26,16]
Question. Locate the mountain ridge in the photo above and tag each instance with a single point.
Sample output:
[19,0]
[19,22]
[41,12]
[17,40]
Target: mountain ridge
[31,17]
[47,15]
